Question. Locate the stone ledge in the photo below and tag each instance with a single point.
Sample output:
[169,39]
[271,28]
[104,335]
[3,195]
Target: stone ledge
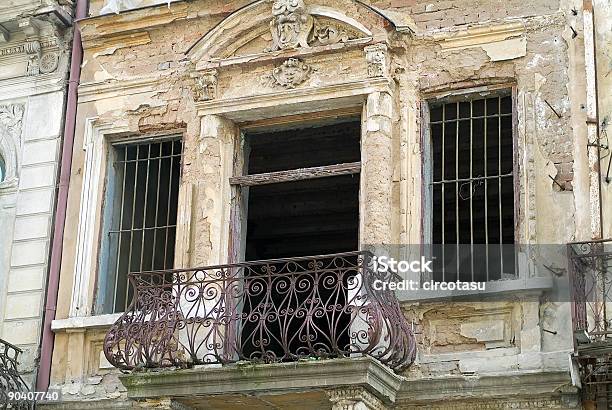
[511,384]
[105,404]
[266,379]
[527,287]
[84,322]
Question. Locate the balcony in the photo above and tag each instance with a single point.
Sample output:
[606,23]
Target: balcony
[273,311]
[590,272]
[11,382]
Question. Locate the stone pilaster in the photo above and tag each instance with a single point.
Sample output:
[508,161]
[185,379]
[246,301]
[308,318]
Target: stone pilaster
[377,170]
[215,161]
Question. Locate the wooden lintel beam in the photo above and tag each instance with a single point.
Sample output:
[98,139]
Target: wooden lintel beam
[297,174]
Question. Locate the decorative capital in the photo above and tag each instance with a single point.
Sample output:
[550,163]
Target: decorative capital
[354,398]
[10,118]
[290,74]
[377,59]
[206,85]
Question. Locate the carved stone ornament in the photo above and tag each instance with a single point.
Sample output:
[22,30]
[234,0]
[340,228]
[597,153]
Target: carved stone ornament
[206,85]
[48,63]
[10,138]
[330,34]
[10,119]
[377,59]
[290,74]
[33,49]
[291,25]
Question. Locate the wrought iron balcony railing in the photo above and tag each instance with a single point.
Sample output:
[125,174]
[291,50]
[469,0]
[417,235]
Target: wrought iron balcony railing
[266,311]
[13,390]
[590,268]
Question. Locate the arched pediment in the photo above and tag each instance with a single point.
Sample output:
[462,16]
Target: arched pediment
[267,26]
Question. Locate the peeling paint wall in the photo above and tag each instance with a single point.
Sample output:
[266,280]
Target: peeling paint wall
[438,14]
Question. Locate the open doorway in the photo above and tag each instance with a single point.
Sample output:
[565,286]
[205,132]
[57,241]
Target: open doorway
[301,199]
[305,217]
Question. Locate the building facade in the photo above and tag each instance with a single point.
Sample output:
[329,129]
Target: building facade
[35,41]
[210,133]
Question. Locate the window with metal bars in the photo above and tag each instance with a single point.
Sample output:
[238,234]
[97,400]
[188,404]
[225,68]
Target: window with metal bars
[471,174]
[139,216]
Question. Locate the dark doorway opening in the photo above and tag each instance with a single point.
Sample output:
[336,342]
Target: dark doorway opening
[308,217]
[301,310]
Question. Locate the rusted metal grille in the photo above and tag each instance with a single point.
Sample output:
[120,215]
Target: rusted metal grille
[472,189]
[590,273]
[145,201]
[10,379]
[265,311]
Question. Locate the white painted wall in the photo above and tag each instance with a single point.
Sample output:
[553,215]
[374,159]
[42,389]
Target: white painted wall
[26,213]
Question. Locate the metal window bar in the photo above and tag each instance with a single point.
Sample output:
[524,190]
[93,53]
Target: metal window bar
[486,125]
[148,175]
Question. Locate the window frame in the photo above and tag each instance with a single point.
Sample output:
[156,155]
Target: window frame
[467,94]
[2,168]
[104,298]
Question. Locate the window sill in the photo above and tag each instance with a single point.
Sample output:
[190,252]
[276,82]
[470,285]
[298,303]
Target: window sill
[73,324]
[496,288]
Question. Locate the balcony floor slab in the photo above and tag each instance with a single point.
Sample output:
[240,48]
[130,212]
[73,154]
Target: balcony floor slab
[300,384]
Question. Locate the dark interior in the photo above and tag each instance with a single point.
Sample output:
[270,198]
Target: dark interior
[144,209]
[310,217]
[471,140]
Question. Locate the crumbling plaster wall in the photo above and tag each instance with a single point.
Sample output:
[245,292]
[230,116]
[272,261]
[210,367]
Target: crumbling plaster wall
[513,339]
[535,55]
[437,14]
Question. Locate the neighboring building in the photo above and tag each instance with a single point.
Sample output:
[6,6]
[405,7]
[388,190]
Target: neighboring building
[210,133]
[35,41]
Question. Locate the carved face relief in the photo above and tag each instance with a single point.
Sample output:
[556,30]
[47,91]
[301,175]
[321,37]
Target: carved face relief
[291,73]
[291,25]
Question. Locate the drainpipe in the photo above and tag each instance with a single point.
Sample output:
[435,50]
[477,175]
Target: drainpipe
[594,144]
[46,352]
